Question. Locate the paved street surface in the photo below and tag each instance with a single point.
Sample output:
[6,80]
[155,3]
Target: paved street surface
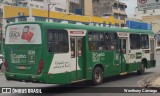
[131,80]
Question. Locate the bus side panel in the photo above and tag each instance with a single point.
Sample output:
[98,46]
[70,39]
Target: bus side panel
[105,58]
[51,60]
[151,64]
[133,66]
[112,63]
[57,68]
[61,78]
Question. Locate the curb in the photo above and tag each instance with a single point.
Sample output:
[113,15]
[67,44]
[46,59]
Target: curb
[149,82]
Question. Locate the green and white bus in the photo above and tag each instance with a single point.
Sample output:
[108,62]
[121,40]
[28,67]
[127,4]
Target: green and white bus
[57,53]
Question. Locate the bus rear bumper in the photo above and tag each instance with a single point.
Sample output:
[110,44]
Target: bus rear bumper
[25,77]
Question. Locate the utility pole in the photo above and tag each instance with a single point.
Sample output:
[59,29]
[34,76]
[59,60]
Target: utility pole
[49,8]
[67,6]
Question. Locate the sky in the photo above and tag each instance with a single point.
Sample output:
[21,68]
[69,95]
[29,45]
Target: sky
[131,4]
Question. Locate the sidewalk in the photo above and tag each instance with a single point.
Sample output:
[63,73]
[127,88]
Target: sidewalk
[156,81]
[152,82]
[1,73]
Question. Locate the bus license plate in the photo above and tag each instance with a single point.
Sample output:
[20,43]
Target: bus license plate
[22,67]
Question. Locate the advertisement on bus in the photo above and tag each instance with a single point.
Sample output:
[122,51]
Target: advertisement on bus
[23,34]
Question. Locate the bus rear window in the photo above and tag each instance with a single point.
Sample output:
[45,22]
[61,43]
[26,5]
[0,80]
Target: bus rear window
[23,34]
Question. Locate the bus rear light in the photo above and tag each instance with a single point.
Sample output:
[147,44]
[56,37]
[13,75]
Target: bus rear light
[40,66]
[6,65]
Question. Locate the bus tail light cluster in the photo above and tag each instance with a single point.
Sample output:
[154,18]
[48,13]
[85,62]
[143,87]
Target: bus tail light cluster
[40,66]
[6,65]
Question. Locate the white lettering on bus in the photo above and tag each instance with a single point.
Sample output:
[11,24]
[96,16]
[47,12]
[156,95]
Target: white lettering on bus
[19,56]
[97,56]
[31,52]
[61,64]
[76,32]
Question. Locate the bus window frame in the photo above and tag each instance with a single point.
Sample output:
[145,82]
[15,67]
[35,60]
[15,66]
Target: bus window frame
[113,41]
[93,32]
[104,41]
[52,52]
[131,43]
[147,42]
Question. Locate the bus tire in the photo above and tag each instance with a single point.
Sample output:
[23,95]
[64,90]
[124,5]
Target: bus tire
[142,69]
[97,76]
[8,79]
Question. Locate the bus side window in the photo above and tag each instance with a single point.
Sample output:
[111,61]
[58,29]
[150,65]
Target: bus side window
[124,46]
[144,41]
[96,41]
[135,41]
[79,46]
[57,41]
[72,40]
[50,37]
[158,40]
[111,41]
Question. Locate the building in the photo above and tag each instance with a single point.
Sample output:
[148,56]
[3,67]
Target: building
[32,10]
[33,14]
[1,16]
[139,14]
[76,6]
[103,8]
[154,20]
[57,5]
[88,7]
[150,16]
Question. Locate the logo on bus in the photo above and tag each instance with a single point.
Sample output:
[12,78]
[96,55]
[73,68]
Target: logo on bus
[138,55]
[96,57]
[19,56]
[31,56]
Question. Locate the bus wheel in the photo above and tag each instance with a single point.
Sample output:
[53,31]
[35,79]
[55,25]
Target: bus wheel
[97,76]
[142,69]
[8,78]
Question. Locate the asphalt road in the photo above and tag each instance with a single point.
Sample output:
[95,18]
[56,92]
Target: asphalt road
[130,80]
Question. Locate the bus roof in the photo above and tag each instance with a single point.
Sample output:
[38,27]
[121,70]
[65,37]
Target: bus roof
[86,27]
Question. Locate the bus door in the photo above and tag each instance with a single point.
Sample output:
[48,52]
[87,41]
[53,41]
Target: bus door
[77,56]
[77,65]
[123,52]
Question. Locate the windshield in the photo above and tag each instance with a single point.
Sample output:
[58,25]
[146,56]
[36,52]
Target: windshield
[23,34]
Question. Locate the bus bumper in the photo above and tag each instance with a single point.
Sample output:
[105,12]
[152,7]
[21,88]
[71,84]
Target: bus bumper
[25,77]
